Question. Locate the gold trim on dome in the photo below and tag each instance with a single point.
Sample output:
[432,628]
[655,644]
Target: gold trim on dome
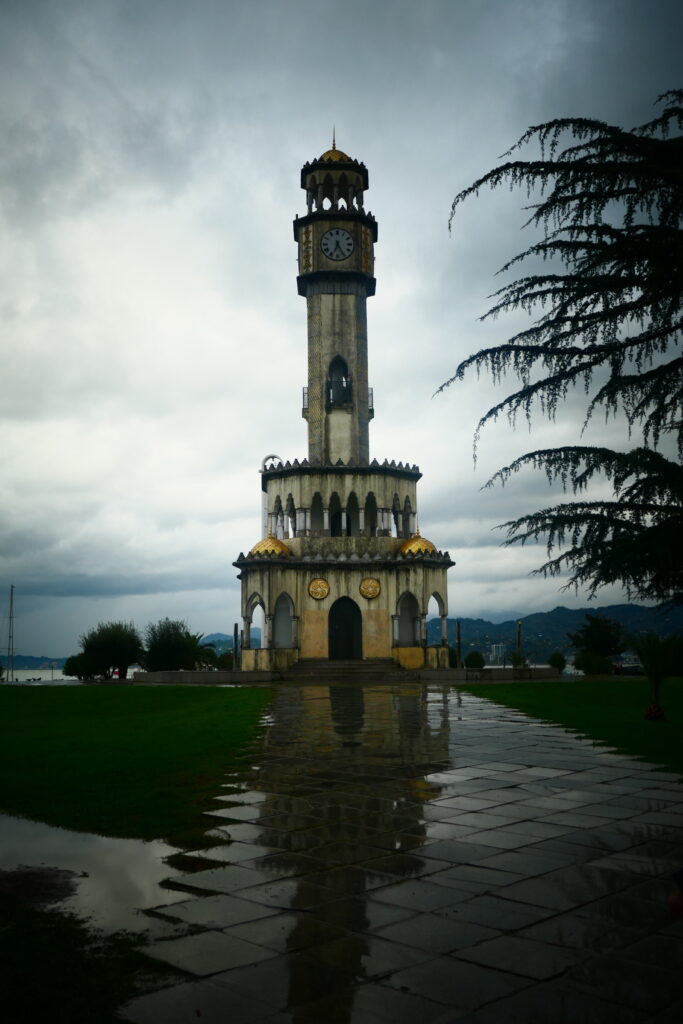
[270,545]
[417,546]
[370,588]
[335,154]
[318,589]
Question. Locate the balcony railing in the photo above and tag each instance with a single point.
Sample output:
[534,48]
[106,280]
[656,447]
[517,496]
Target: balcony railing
[338,393]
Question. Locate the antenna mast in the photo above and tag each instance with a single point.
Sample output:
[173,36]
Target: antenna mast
[10,638]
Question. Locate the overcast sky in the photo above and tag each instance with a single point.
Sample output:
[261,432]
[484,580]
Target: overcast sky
[154,346]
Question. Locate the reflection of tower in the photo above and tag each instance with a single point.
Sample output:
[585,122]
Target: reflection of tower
[344,814]
[343,572]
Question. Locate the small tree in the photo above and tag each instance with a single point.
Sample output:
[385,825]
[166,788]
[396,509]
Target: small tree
[660,657]
[557,660]
[111,645]
[597,643]
[171,646]
[516,659]
[474,660]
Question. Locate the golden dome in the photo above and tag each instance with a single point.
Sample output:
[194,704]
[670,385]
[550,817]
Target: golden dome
[417,546]
[270,546]
[335,154]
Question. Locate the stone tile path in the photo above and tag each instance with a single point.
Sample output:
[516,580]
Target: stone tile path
[401,853]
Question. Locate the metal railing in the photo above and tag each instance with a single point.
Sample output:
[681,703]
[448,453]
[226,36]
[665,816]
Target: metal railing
[338,393]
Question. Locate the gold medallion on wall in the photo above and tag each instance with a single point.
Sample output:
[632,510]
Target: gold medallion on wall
[319,589]
[370,588]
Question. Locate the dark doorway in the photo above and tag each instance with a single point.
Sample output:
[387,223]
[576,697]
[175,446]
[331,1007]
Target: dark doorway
[345,630]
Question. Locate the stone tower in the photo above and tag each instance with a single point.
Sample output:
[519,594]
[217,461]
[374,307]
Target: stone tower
[343,572]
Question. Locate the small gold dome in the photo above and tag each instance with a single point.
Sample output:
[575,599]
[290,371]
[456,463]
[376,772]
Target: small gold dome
[335,154]
[270,546]
[417,546]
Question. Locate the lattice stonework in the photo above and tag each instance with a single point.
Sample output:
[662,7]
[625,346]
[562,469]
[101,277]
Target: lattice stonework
[306,250]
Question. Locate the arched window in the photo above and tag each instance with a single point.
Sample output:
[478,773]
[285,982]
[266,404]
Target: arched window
[317,520]
[254,622]
[408,612]
[407,518]
[352,516]
[371,515]
[282,621]
[335,516]
[290,517]
[434,613]
[396,516]
[338,382]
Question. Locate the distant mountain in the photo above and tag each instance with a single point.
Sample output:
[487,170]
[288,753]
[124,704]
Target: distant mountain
[223,641]
[545,632]
[28,661]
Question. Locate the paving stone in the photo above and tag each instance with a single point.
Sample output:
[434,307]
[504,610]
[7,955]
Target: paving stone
[457,984]
[437,934]
[494,912]
[531,959]
[195,1001]
[207,952]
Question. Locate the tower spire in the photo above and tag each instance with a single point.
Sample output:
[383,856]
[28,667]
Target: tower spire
[334,139]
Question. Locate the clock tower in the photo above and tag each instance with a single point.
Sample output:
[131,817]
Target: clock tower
[336,241]
[343,573]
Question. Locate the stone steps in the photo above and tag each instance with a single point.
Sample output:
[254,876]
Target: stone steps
[371,670]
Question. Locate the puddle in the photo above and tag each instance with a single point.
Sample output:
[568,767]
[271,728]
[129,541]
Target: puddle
[115,878]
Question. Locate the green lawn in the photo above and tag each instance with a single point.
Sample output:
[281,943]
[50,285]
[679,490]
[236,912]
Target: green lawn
[131,761]
[608,710]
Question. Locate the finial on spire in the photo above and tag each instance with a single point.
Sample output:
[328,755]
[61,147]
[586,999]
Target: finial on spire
[334,140]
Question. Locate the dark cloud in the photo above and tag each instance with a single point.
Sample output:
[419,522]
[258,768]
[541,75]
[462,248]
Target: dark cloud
[155,344]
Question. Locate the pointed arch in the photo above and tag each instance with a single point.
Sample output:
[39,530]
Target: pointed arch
[408,612]
[335,516]
[396,515]
[339,390]
[407,518]
[352,516]
[371,514]
[283,632]
[317,517]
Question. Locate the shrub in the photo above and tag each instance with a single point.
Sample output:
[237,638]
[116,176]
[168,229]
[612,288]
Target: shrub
[475,659]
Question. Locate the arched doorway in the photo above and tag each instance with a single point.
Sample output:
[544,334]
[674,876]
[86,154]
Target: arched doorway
[345,630]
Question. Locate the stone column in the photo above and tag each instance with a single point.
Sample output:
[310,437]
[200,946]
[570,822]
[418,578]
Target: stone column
[295,632]
[394,630]
[444,631]
[326,522]
[307,521]
[343,522]
[267,631]
[361,521]
[246,634]
[300,521]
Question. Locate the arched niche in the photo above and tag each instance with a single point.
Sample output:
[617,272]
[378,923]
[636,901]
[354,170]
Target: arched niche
[317,517]
[352,516]
[338,382]
[371,515]
[396,515]
[335,516]
[283,631]
[407,518]
[408,612]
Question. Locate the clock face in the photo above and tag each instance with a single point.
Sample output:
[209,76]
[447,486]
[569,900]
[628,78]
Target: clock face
[337,244]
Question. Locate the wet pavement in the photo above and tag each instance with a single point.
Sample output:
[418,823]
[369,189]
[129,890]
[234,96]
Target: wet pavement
[400,853]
